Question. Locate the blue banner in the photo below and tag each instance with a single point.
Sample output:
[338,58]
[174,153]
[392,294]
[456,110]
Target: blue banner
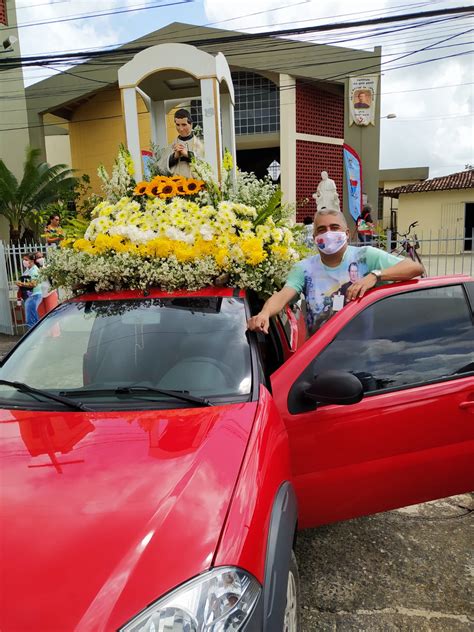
[353,169]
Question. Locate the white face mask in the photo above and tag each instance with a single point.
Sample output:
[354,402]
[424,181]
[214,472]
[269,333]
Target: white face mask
[330,242]
[25,264]
[40,261]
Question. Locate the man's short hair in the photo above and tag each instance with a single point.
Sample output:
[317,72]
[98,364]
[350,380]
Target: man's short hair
[182,113]
[329,211]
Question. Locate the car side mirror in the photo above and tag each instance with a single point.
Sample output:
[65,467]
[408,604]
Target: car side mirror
[334,387]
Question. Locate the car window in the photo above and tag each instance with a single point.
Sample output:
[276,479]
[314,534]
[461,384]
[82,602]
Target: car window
[192,344]
[405,339]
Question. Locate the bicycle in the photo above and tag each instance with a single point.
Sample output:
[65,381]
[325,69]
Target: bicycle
[409,245]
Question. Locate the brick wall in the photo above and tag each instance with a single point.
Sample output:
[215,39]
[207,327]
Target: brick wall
[311,159]
[319,112]
[3,12]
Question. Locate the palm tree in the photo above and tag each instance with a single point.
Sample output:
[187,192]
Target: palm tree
[40,185]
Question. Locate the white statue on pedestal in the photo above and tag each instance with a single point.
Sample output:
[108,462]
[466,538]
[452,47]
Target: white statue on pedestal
[326,194]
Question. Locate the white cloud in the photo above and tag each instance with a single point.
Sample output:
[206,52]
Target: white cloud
[65,36]
[415,137]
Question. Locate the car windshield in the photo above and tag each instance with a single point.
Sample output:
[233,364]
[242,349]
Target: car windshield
[94,351]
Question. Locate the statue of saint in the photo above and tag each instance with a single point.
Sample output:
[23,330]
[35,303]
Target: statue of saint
[176,159]
[326,194]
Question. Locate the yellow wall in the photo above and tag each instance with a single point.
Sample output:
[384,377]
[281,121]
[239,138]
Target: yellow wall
[438,211]
[96,131]
[391,203]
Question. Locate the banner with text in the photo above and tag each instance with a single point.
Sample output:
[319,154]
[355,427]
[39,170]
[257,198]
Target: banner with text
[353,169]
[362,95]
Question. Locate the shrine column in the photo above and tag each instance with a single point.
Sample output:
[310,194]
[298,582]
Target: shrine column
[129,101]
[211,124]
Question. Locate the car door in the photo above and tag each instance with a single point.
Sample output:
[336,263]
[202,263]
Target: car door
[411,437]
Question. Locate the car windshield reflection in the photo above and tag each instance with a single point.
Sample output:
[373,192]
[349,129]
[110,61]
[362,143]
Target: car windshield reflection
[192,345]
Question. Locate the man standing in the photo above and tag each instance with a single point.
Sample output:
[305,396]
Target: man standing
[176,160]
[321,277]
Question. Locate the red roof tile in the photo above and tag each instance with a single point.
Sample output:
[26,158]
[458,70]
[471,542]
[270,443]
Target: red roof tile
[461,180]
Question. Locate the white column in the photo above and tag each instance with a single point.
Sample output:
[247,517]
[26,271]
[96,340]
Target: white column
[288,138]
[158,123]
[228,127]
[211,124]
[129,103]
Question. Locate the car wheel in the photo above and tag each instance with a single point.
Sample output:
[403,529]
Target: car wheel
[292,615]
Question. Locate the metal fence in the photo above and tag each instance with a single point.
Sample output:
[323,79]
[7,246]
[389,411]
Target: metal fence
[12,314]
[442,254]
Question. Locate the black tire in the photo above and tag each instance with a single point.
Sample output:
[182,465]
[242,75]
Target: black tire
[291,622]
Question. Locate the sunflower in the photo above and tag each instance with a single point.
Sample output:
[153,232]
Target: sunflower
[176,178]
[168,190]
[154,187]
[192,186]
[141,188]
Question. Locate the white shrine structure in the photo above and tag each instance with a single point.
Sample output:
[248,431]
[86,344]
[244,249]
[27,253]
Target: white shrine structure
[162,73]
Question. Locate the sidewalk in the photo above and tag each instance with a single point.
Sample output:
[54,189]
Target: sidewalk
[7,343]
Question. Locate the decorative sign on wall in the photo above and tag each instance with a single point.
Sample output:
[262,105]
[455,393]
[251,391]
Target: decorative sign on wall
[362,94]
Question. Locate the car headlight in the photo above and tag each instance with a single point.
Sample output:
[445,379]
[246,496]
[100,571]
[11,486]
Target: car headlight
[217,601]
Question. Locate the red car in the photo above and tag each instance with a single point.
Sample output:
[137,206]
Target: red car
[158,459]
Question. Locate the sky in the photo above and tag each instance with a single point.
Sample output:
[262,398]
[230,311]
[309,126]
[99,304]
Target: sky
[433,101]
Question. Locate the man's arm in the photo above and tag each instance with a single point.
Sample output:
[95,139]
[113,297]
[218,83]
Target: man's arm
[273,305]
[402,271]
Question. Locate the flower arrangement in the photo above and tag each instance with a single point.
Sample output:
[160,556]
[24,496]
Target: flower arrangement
[176,232]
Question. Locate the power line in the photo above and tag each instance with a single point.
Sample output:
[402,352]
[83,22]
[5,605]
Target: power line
[255,36]
[280,89]
[99,15]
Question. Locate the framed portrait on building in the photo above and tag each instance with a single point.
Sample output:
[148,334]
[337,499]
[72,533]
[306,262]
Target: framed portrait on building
[362,95]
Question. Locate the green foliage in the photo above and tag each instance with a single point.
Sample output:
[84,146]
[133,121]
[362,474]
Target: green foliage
[272,208]
[121,183]
[23,203]
[75,227]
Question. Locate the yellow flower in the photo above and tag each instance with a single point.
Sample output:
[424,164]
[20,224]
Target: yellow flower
[222,257]
[192,186]
[141,188]
[168,190]
[252,250]
[182,251]
[160,247]
[83,245]
[228,162]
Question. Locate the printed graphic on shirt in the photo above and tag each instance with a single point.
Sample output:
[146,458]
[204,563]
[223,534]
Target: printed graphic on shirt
[325,288]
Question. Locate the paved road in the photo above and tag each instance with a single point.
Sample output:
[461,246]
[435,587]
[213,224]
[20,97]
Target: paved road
[409,570]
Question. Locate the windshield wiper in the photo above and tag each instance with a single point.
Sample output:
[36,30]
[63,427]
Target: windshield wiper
[25,388]
[185,397]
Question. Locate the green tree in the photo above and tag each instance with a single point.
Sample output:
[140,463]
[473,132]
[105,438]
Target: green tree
[41,185]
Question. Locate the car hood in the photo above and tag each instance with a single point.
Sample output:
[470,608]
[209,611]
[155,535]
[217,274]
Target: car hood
[105,512]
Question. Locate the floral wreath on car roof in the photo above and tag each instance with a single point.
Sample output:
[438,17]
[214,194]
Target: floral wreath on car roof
[175,232]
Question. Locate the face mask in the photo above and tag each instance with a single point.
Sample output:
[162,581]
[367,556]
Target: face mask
[39,261]
[25,264]
[330,242]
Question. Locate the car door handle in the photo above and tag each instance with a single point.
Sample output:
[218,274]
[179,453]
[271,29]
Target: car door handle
[466,405]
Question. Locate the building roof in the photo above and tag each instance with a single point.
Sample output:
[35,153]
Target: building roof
[330,64]
[404,173]
[460,180]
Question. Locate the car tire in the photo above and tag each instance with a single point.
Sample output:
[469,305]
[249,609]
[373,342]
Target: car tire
[291,619]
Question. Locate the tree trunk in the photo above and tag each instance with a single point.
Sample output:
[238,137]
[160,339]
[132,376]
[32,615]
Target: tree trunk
[15,234]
